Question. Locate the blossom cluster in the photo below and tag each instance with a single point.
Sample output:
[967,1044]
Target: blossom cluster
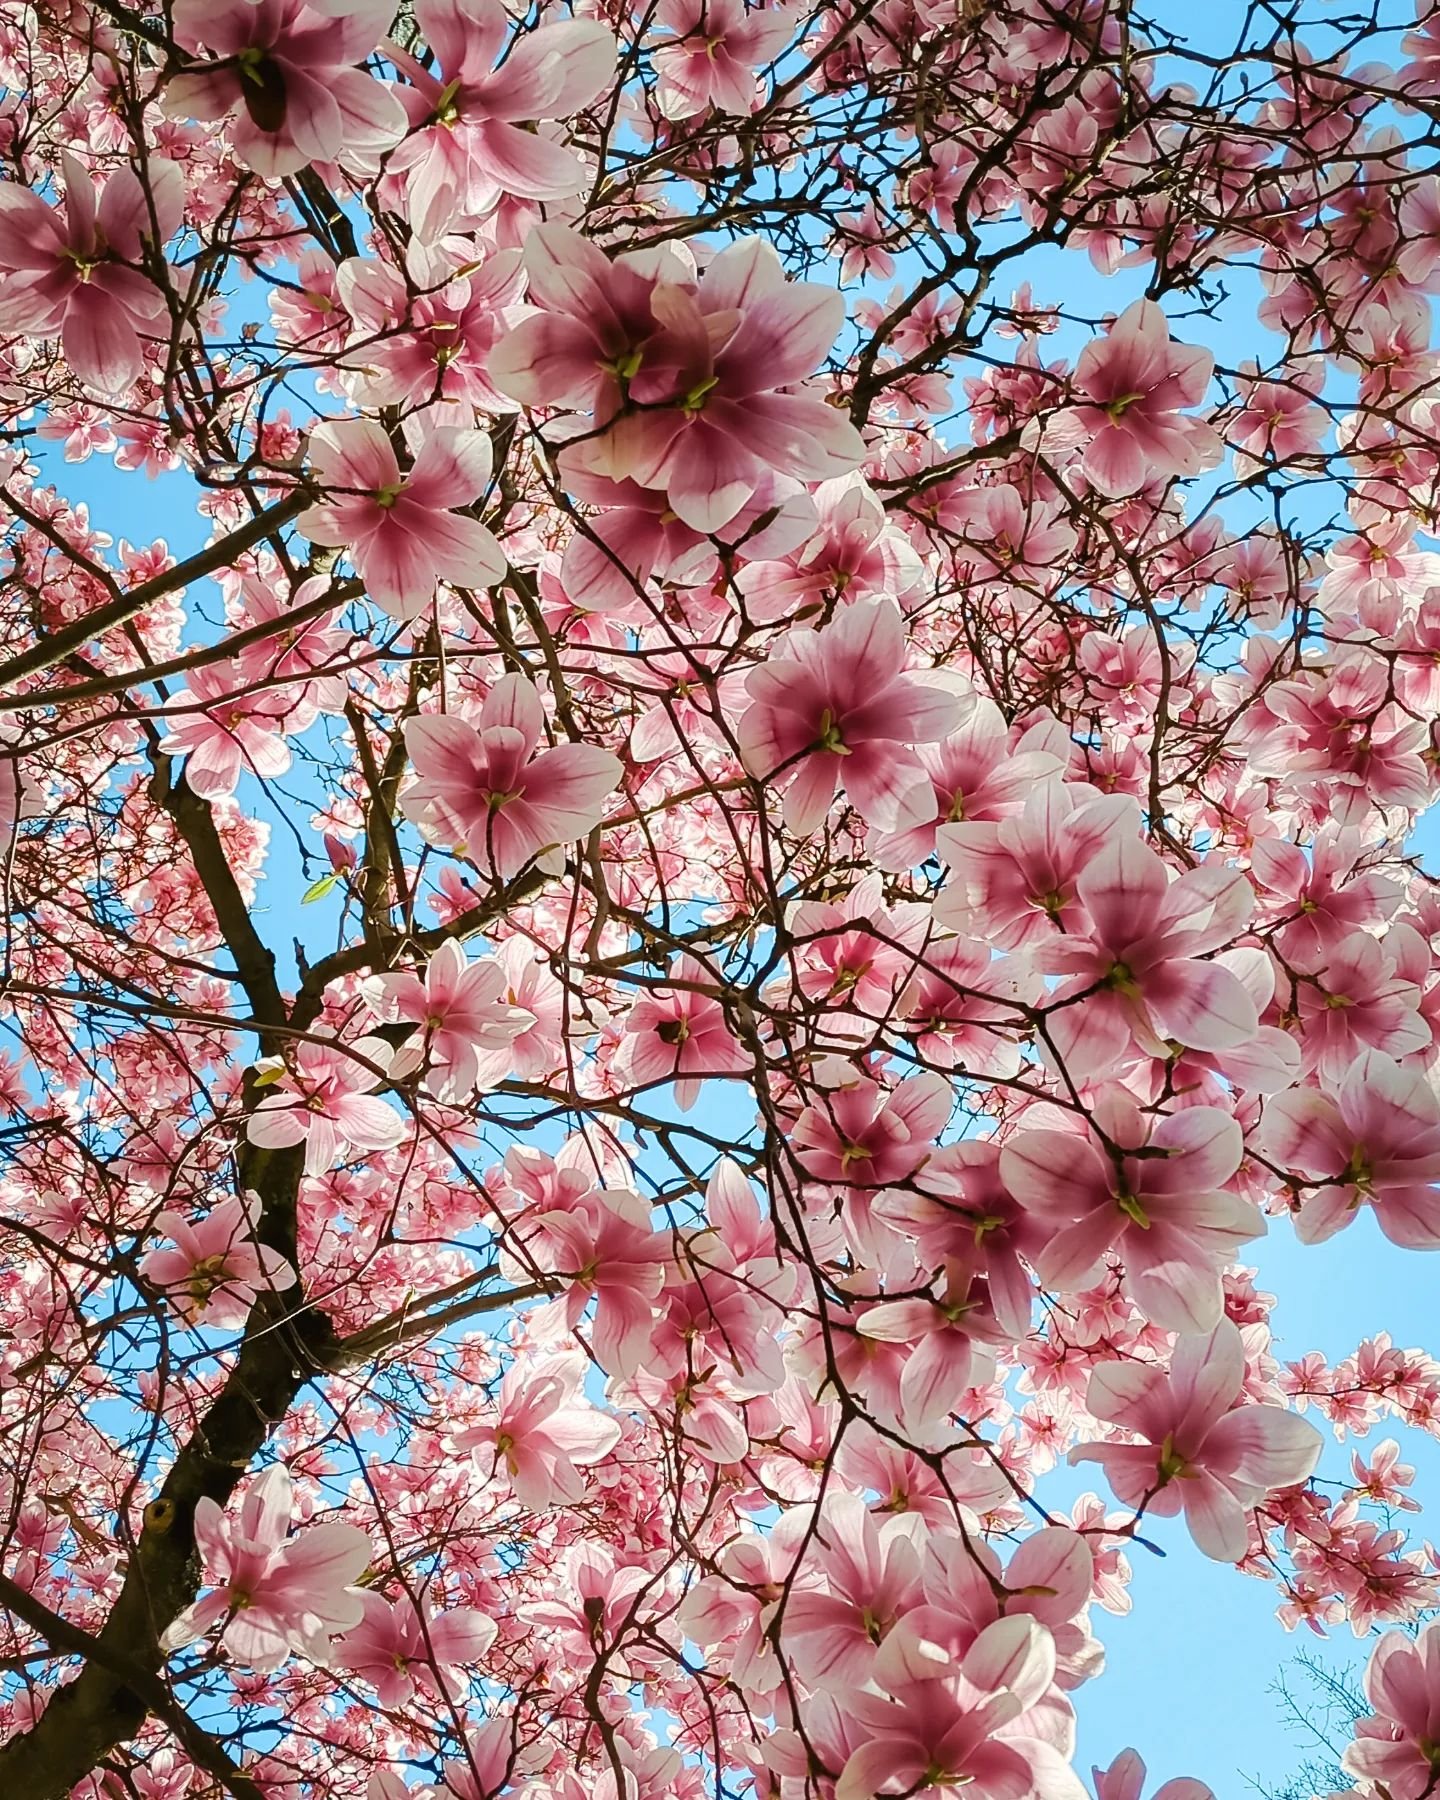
[695,918]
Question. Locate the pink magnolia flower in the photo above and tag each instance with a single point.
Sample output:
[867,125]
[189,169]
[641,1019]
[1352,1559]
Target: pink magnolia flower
[690,382]
[283,72]
[1125,1778]
[1323,896]
[963,1735]
[1397,1749]
[963,1008]
[1374,573]
[679,1033]
[1015,881]
[837,707]
[601,1249]
[1127,673]
[734,1606]
[468,144]
[276,1594]
[216,1269]
[543,1434]
[70,271]
[636,537]
[959,1207]
[398,1644]
[860,1136]
[482,786]
[1384,1478]
[862,238]
[1347,742]
[1204,1451]
[300,654]
[712,53]
[1132,385]
[1358,1000]
[950,1339]
[861,1576]
[856,954]
[1279,419]
[494,1755]
[401,531]
[852,551]
[467,1026]
[228,731]
[1167,1212]
[979,776]
[320,1095]
[1140,958]
[414,350]
[1377,1143]
[967,1589]
[539,1049]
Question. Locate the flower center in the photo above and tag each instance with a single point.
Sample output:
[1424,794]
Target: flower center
[262,88]
[830,739]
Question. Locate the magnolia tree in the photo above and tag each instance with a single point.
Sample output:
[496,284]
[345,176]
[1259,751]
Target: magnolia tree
[720,805]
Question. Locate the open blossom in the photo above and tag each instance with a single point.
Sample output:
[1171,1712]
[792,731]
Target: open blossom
[414,349]
[1167,1211]
[400,1644]
[492,1754]
[468,145]
[1125,1780]
[275,1594]
[1015,880]
[1376,1143]
[949,1338]
[70,271]
[837,708]
[712,53]
[1131,387]
[1396,1749]
[401,531]
[1204,1451]
[484,787]
[979,775]
[860,1136]
[1340,733]
[963,1734]
[1321,895]
[680,1033]
[466,1025]
[1143,950]
[635,537]
[321,1095]
[1358,1000]
[543,1434]
[868,1571]
[217,1268]
[283,72]
[602,1250]
[691,382]
[225,731]
[852,550]
[301,652]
